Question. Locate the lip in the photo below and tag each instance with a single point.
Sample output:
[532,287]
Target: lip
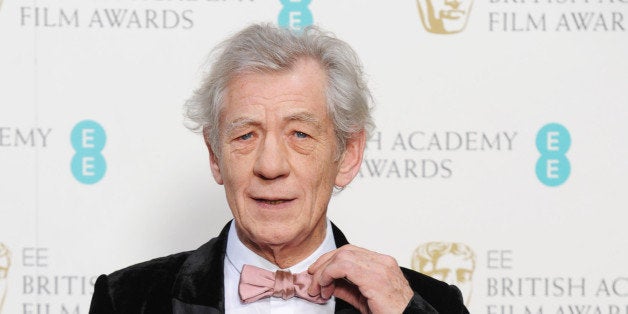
[273,202]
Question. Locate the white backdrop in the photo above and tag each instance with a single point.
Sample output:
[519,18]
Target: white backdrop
[554,243]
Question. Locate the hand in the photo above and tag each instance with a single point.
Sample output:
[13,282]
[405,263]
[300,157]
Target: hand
[371,282]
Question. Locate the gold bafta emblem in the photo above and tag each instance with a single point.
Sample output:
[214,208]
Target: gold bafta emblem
[444,16]
[450,262]
[5,264]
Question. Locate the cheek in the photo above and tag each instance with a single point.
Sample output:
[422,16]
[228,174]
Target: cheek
[234,177]
[319,171]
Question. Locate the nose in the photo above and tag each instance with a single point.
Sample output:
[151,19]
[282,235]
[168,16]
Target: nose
[271,162]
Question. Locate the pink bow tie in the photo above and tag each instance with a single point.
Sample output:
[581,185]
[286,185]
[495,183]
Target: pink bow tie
[257,283]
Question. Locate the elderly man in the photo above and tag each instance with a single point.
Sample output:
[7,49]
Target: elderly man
[285,117]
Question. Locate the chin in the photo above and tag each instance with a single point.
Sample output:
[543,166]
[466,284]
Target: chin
[282,236]
[270,232]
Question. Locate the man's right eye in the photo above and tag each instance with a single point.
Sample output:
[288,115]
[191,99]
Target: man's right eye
[246,136]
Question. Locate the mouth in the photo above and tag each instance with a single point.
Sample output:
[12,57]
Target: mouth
[272,201]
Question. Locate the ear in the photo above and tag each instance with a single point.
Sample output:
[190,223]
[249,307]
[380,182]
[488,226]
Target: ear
[213,160]
[351,159]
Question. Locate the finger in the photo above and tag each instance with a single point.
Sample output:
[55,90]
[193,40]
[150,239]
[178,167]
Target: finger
[314,270]
[321,261]
[314,289]
[339,266]
[328,291]
[329,255]
[351,294]
[322,278]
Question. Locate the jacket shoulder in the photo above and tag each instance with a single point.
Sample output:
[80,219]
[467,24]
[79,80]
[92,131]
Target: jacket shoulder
[141,287]
[157,271]
[445,298]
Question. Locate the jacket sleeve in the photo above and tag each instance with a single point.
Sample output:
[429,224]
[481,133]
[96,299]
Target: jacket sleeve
[101,300]
[418,305]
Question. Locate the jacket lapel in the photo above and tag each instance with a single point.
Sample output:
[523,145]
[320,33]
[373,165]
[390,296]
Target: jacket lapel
[199,285]
[339,238]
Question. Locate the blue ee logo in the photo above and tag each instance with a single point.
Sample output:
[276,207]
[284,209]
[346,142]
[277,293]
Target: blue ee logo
[553,142]
[295,14]
[88,164]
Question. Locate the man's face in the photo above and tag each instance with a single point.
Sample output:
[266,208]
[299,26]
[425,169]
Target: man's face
[278,158]
[445,16]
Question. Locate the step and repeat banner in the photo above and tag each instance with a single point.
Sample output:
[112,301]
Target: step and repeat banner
[498,164]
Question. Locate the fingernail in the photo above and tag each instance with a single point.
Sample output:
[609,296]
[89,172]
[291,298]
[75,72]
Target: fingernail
[324,296]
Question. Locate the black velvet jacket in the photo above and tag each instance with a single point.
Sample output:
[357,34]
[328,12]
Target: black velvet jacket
[192,282]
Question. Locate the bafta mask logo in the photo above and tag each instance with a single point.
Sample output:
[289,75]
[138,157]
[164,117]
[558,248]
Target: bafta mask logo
[450,262]
[444,16]
[5,264]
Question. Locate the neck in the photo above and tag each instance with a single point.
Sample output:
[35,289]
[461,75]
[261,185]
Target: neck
[286,255]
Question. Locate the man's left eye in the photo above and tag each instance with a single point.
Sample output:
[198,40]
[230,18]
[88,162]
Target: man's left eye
[300,134]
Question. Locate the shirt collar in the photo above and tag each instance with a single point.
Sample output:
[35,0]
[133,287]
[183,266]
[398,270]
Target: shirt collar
[238,254]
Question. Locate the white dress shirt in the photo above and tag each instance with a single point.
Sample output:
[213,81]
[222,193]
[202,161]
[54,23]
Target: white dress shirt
[238,255]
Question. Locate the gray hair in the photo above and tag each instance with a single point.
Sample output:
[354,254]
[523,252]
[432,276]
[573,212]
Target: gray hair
[268,48]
